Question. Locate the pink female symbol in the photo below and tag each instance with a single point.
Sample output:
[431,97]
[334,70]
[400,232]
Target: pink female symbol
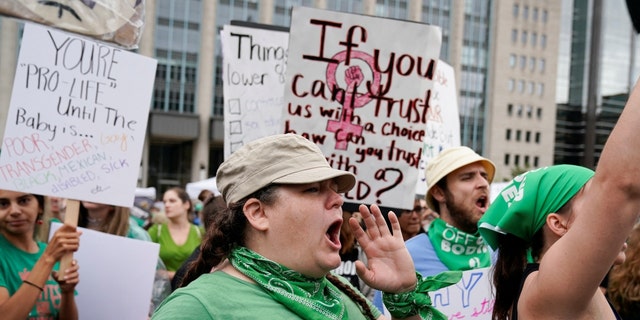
[351,99]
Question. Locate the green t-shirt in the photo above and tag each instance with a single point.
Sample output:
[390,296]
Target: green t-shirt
[219,295]
[15,266]
[172,254]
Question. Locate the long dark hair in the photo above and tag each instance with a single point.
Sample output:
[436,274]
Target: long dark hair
[227,231]
[508,271]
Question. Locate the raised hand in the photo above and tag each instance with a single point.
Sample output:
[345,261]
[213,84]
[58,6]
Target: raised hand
[390,266]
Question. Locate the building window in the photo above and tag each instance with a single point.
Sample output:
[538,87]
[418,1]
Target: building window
[516,10]
[534,39]
[526,161]
[540,89]
[524,37]
[508,135]
[523,62]
[512,60]
[510,109]
[519,110]
[175,72]
[518,134]
[539,113]
[514,35]
[516,160]
[506,159]
[527,137]
[534,14]
[530,87]
[543,41]
[545,16]
[511,85]
[541,65]
[190,74]
[532,64]
[537,137]
[529,112]
[536,161]
[525,12]
[520,86]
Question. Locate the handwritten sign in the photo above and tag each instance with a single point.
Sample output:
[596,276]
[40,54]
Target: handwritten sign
[362,93]
[253,72]
[471,298]
[77,118]
[443,120]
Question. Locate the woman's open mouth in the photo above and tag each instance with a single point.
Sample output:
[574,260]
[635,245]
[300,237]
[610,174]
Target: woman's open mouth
[333,233]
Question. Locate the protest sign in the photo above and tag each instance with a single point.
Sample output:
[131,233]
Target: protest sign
[116,275]
[77,118]
[443,120]
[470,298]
[253,72]
[361,92]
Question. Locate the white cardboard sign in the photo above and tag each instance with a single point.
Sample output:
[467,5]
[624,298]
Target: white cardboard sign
[77,118]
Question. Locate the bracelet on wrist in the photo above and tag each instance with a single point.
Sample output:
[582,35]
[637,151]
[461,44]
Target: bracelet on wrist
[33,285]
[406,304]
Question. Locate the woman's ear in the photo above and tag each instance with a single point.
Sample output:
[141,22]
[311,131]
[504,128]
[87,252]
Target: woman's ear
[254,212]
[557,224]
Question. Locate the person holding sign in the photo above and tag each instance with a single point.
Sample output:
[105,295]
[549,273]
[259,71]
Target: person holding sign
[274,248]
[559,229]
[29,283]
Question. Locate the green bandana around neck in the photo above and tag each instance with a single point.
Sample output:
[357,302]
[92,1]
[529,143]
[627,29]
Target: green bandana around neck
[522,207]
[309,298]
[456,249]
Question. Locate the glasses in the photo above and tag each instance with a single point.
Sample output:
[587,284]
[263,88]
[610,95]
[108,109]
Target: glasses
[419,209]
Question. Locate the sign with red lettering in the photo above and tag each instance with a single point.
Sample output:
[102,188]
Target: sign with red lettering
[77,118]
[360,87]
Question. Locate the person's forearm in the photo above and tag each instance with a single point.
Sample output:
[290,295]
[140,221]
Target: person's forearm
[68,307]
[22,301]
[619,160]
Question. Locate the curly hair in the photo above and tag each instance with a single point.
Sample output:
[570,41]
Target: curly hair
[624,279]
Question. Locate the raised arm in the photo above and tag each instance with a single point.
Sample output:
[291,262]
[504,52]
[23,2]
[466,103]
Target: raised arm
[602,217]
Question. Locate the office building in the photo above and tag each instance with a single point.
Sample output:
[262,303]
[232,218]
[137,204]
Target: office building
[504,54]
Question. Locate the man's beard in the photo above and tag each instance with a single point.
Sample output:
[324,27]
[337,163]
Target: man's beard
[462,219]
